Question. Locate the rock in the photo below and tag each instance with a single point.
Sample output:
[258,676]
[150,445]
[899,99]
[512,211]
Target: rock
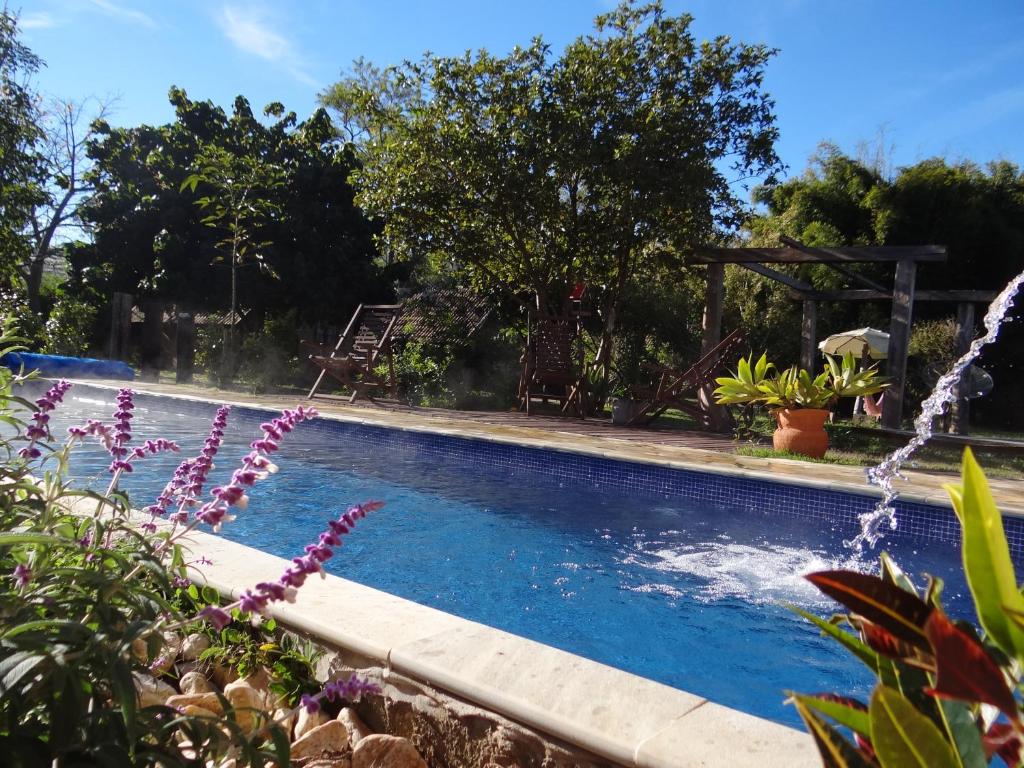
[260,679]
[151,692]
[193,646]
[381,751]
[140,651]
[247,703]
[343,761]
[357,729]
[307,721]
[285,717]
[330,737]
[195,682]
[167,654]
[209,701]
[223,675]
[195,711]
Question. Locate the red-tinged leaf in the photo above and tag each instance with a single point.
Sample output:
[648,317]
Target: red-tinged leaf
[898,611]
[964,668]
[864,745]
[885,642]
[1002,740]
[835,751]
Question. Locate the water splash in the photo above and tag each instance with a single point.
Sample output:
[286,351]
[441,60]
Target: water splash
[885,474]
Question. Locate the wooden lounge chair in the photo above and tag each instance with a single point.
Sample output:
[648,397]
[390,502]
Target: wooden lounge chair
[680,389]
[553,362]
[364,345]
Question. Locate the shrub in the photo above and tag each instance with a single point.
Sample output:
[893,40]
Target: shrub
[270,357]
[93,596]
[69,327]
[946,696]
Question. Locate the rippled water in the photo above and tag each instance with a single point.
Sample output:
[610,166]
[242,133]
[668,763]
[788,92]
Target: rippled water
[687,595]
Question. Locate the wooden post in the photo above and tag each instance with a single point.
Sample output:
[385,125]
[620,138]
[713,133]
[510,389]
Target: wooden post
[960,414]
[808,336]
[899,342]
[152,337]
[714,300]
[119,343]
[185,347]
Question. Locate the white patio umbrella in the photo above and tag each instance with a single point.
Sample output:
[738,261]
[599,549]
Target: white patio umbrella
[854,341]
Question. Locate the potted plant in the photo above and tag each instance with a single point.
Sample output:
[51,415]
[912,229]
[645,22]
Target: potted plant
[800,404]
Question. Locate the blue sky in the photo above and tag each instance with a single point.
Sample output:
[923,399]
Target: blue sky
[937,77]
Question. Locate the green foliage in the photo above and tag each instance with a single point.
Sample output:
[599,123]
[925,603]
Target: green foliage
[69,327]
[940,686]
[976,211]
[761,383]
[422,374]
[83,589]
[270,357]
[529,172]
[20,171]
[150,237]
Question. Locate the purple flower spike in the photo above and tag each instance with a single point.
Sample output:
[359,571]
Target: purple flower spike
[216,616]
[40,428]
[310,703]
[22,575]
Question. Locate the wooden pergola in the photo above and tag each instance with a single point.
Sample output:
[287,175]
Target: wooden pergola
[903,294]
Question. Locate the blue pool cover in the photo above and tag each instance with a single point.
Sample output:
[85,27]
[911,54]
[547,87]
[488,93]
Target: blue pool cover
[70,367]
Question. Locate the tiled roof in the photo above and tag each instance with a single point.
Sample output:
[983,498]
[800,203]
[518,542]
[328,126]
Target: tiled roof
[442,315]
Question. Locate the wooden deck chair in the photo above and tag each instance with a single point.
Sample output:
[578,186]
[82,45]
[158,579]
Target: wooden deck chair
[680,389]
[553,362]
[361,349]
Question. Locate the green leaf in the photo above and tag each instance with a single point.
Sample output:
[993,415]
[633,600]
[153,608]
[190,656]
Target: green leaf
[905,738]
[836,751]
[851,642]
[986,556]
[965,733]
[853,715]
[900,612]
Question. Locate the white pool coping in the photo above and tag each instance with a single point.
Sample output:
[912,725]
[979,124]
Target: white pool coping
[616,715]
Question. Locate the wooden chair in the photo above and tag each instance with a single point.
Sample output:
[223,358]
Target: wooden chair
[680,389]
[364,345]
[553,362]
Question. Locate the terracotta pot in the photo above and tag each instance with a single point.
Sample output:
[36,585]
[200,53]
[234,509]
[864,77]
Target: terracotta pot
[801,430]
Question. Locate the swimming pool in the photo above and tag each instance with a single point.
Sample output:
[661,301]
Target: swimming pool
[608,563]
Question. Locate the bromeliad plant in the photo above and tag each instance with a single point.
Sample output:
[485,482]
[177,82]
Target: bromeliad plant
[91,592]
[946,696]
[761,383]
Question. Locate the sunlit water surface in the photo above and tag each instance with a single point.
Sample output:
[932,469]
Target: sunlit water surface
[692,596]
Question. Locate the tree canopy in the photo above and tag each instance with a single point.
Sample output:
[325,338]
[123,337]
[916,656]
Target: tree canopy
[21,177]
[530,172]
[150,236]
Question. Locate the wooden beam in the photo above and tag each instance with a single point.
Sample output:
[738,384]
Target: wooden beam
[781,277]
[848,255]
[855,276]
[859,294]
[119,343]
[185,347]
[809,337]
[899,342]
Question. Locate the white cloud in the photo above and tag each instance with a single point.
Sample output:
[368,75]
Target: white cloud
[128,14]
[41,20]
[250,31]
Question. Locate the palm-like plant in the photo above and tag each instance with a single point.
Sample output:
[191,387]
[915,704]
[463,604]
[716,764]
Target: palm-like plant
[762,383]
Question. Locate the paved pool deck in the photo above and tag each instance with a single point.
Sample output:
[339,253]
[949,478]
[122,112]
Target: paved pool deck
[669,447]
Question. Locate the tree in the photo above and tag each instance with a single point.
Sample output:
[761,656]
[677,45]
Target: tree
[977,212]
[61,153]
[528,173]
[20,173]
[239,204]
[150,239]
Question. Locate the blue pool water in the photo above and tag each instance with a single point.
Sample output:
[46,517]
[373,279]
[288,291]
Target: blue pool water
[685,594]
